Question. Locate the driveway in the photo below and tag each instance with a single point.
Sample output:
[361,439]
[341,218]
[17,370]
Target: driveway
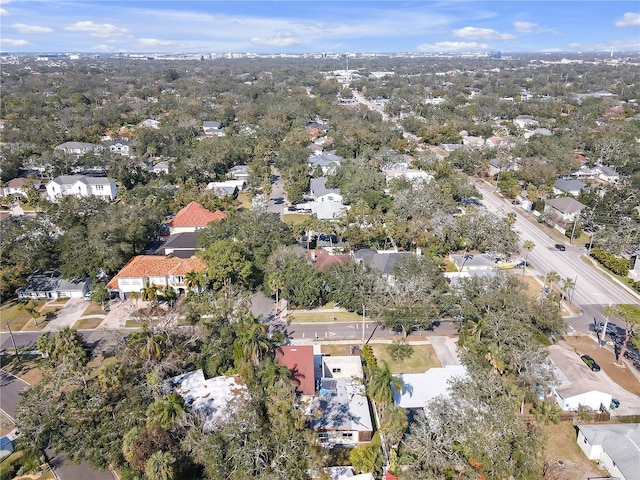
[446,350]
[68,315]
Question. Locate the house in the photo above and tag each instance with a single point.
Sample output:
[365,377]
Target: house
[321,193]
[414,176]
[323,258]
[299,360]
[578,385]
[212,128]
[525,122]
[545,132]
[317,129]
[497,165]
[8,443]
[472,262]
[382,261]
[145,270]
[327,162]
[82,186]
[568,208]
[608,174]
[50,285]
[421,388]
[161,167]
[181,245]
[150,123]
[572,187]
[341,411]
[121,147]
[215,399]
[496,141]
[18,187]
[616,447]
[470,141]
[240,172]
[194,217]
[76,148]
[586,173]
[228,188]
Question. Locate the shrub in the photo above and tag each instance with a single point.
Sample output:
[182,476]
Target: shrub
[619,266]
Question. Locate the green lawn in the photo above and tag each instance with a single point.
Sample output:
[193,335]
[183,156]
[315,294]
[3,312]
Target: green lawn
[293,218]
[244,200]
[296,316]
[92,309]
[423,357]
[88,323]
[13,313]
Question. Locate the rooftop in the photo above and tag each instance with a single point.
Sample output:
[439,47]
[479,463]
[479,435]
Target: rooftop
[299,360]
[566,205]
[195,215]
[156,266]
[420,388]
[621,442]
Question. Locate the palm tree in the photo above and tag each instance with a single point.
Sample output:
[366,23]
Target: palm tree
[383,384]
[165,411]
[169,293]
[252,342]
[135,296]
[567,284]
[276,283]
[193,281]
[528,245]
[150,293]
[160,466]
[553,277]
[150,344]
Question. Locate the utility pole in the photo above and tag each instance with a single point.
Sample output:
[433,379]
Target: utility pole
[573,290]
[363,313]
[13,340]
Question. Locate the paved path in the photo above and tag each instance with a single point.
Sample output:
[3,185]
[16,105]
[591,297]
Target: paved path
[446,350]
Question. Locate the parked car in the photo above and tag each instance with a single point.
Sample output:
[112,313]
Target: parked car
[560,247]
[591,363]
[596,326]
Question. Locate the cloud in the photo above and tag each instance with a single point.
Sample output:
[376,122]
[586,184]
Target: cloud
[23,28]
[475,33]
[452,47]
[278,40]
[155,42]
[13,43]
[525,27]
[96,29]
[629,19]
[4,11]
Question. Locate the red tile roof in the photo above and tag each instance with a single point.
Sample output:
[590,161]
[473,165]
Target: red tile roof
[299,360]
[195,215]
[324,259]
[157,266]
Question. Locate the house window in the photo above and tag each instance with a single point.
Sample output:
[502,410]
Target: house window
[323,436]
[336,370]
[99,187]
[347,435]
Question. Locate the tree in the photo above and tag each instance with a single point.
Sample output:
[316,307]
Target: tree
[227,265]
[399,351]
[160,466]
[382,385]
[252,342]
[99,294]
[165,411]
[33,310]
[367,459]
[528,245]
[148,344]
[630,314]
[567,284]
[150,293]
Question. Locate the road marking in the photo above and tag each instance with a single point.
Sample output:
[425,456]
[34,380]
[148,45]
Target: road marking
[332,334]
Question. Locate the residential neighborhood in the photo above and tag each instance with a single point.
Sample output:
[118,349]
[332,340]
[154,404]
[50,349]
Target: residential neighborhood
[308,267]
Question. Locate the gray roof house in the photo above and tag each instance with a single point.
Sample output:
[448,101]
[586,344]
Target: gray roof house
[569,208]
[572,187]
[382,261]
[615,446]
[211,128]
[82,186]
[49,284]
[121,147]
[181,245]
[76,148]
[327,162]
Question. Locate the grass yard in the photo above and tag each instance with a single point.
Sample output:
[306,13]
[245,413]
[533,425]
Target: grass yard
[304,316]
[563,455]
[293,218]
[6,425]
[243,200]
[28,368]
[17,317]
[423,357]
[93,309]
[88,323]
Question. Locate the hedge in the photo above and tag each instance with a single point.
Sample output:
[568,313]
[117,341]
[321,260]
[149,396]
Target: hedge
[619,266]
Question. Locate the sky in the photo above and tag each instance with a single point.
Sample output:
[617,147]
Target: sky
[318,26]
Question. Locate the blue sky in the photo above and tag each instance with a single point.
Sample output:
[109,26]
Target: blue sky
[318,26]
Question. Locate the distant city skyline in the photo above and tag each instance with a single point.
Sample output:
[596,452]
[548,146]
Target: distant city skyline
[330,26]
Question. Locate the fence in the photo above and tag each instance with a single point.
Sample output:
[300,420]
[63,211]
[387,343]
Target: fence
[602,415]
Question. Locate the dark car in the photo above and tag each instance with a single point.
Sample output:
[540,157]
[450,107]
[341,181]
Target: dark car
[591,363]
[596,326]
[560,247]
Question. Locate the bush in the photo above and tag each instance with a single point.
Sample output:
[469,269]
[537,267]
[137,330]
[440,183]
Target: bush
[399,351]
[619,266]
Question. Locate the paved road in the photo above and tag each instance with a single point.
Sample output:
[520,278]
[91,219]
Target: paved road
[278,198]
[593,287]
[10,388]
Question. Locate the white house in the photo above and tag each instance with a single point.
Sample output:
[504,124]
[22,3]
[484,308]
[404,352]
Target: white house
[145,270]
[240,172]
[578,385]
[327,203]
[212,128]
[327,162]
[421,388]
[121,147]
[50,285]
[18,187]
[568,208]
[226,188]
[150,123]
[525,122]
[76,148]
[413,175]
[572,187]
[214,398]
[616,447]
[82,186]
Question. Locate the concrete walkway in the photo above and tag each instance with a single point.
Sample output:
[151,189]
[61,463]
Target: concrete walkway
[67,316]
[446,350]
